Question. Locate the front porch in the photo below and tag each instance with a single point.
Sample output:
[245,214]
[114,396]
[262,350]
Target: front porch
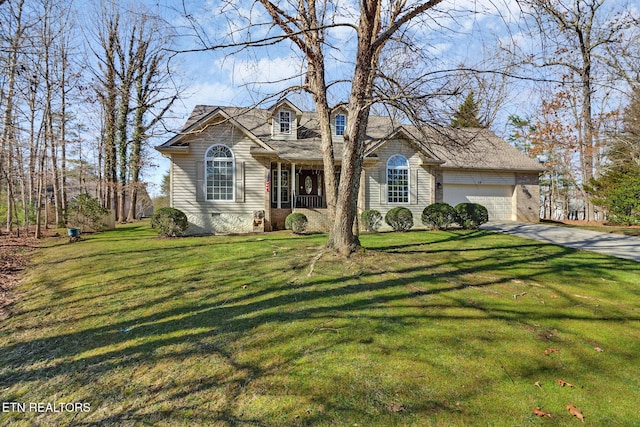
[297,188]
[305,190]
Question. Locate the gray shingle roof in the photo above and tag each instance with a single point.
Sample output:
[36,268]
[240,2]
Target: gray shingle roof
[474,148]
[453,148]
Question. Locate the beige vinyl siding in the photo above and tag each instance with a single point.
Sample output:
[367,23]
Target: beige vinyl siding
[479,177]
[420,181]
[293,125]
[188,175]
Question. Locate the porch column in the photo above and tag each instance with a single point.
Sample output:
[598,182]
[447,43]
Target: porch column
[292,179]
[279,193]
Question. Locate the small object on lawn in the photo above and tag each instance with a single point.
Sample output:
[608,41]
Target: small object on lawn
[74,234]
[537,384]
[575,412]
[515,296]
[598,349]
[540,413]
[563,383]
[550,350]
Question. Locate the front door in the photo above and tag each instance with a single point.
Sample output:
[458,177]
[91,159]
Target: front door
[308,183]
[310,190]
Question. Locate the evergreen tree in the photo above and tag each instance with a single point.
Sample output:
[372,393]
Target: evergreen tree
[468,114]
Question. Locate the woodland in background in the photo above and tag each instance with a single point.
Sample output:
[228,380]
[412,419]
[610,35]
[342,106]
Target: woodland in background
[80,102]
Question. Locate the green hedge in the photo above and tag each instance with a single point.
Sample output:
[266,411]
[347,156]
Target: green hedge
[399,218]
[471,215]
[296,222]
[439,215]
[169,222]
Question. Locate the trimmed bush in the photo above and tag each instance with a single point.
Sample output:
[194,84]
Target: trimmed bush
[296,222]
[399,218]
[471,215]
[371,220]
[169,222]
[439,215]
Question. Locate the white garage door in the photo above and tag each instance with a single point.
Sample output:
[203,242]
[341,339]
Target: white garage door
[498,199]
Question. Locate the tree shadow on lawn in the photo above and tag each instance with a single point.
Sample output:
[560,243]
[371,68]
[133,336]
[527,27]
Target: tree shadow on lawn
[214,330]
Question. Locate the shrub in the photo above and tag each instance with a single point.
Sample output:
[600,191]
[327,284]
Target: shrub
[169,222]
[371,220]
[399,218]
[87,212]
[471,215]
[296,222]
[439,215]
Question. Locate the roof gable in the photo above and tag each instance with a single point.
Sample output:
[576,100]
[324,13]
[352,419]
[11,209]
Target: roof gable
[401,133]
[204,116]
[286,104]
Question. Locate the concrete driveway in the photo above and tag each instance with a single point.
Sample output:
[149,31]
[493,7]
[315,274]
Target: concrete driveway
[617,245]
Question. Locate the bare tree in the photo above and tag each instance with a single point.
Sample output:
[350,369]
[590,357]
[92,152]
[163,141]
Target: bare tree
[153,96]
[107,92]
[307,26]
[575,35]
[15,34]
[134,89]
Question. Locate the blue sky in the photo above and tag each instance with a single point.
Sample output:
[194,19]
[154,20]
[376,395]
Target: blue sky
[460,32]
[469,35]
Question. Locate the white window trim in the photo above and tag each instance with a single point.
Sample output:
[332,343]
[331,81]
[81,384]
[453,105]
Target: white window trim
[274,193]
[233,172]
[408,169]
[280,122]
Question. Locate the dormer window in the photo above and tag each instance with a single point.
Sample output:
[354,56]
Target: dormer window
[284,118]
[341,123]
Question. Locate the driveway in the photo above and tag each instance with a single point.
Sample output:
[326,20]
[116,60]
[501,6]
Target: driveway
[617,245]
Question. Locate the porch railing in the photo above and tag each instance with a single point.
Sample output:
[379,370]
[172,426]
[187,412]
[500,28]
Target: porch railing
[305,201]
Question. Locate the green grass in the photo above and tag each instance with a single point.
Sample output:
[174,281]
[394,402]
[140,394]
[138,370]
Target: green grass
[421,328]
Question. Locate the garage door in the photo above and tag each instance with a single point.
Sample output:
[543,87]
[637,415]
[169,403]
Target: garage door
[498,199]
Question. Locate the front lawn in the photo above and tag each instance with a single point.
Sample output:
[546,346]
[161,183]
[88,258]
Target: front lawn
[422,328]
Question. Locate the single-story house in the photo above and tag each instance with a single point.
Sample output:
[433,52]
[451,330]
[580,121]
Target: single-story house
[236,170]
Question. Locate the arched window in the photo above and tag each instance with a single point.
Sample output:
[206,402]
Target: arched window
[397,179]
[219,172]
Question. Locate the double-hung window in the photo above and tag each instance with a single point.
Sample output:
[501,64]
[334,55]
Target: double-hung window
[219,172]
[397,179]
[341,123]
[284,118]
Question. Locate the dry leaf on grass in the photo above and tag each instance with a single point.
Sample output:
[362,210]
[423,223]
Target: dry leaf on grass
[550,350]
[575,412]
[537,384]
[563,383]
[540,413]
[598,349]
[396,407]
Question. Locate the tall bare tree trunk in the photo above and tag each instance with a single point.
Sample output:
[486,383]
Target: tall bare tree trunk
[64,64]
[8,131]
